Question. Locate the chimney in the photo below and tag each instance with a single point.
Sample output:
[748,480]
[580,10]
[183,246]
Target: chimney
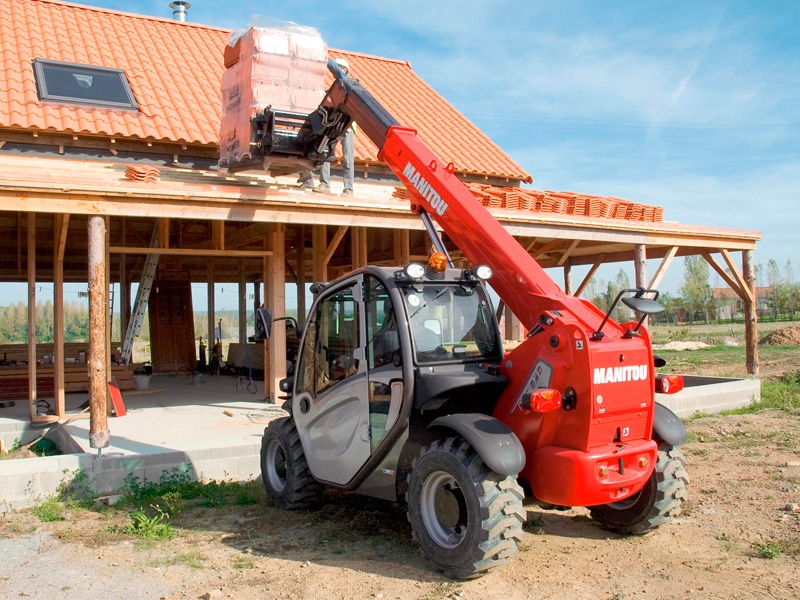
[179,10]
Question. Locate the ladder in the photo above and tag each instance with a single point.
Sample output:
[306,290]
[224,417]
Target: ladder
[142,296]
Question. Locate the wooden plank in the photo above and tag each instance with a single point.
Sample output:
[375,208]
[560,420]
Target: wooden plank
[277,345]
[337,238]
[568,252]
[598,261]
[32,314]
[725,277]
[190,252]
[735,272]
[662,268]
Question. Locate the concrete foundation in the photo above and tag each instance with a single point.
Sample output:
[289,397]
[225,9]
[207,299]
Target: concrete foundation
[204,427]
[711,395]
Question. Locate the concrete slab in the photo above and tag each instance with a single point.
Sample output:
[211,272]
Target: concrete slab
[202,426]
[711,395]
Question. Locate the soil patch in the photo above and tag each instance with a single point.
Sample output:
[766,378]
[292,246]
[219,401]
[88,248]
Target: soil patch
[788,336]
[739,536]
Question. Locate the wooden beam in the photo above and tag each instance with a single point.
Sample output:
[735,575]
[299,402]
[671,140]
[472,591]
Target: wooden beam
[242,304]
[662,268]
[725,277]
[301,275]
[190,252]
[163,232]
[99,435]
[319,248]
[568,251]
[218,235]
[401,247]
[337,238]
[640,265]
[598,261]
[735,272]
[277,346]
[32,392]
[61,223]
[750,314]
[568,278]
[548,247]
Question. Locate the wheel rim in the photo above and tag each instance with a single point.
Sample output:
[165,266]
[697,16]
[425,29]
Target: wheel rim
[625,504]
[275,463]
[443,509]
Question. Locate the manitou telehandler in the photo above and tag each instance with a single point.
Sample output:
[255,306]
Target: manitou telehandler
[402,388]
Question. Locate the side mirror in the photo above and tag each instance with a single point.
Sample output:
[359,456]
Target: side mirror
[263,325]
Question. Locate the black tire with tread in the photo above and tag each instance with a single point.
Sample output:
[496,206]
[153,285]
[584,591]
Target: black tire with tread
[492,504]
[284,469]
[660,499]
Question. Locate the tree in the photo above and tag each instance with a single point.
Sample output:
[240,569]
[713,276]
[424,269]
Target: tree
[696,290]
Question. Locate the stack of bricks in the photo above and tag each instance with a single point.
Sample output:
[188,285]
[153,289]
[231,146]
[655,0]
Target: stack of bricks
[282,67]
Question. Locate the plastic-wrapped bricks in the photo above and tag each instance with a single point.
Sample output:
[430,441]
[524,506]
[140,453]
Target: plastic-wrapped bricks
[282,66]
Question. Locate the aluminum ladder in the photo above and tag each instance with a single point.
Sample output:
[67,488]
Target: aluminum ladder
[142,297]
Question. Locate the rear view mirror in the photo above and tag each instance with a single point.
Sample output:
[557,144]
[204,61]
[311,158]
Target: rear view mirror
[263,325]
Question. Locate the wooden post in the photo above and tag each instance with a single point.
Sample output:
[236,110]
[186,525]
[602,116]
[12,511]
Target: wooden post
[640,265]
[32,395]
[60,240]
[319,247]
[242,304]
[99,434]
[301,276]
[568,278]
[211,309]
[402,253]
[277,302]
[750,314]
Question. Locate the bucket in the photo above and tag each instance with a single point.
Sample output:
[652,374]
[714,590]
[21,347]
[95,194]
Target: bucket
[142,381]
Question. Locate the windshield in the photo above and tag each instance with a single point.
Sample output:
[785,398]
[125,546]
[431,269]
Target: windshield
[451,323]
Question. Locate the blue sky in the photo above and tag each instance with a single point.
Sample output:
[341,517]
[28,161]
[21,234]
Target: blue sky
[693,106]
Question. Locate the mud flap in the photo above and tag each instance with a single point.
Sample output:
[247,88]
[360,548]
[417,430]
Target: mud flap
[668,427]
[498,446]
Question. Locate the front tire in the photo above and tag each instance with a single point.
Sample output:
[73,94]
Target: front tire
[466,518]
[284,469]
[660,499]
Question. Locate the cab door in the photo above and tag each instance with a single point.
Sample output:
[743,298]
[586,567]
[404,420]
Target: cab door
[331,401]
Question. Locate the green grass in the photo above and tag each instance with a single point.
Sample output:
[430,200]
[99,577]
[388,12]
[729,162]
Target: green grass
[768,551]
[49,510]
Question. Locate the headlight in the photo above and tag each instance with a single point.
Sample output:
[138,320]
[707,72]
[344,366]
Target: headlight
[483,272]
[414,271]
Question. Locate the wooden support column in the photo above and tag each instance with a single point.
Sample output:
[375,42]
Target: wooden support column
[99,434]
[640,271]
[277,295]
[568,278]
[211,310]
[124,288]
[107,280]
[514,329]
[301,276]
[750,314]
[640,265]
[402,251]
[32,392]
[267,344]
[242,304]
[59,245]
[319,247]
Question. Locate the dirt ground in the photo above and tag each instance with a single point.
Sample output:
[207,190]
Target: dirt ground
[739,537]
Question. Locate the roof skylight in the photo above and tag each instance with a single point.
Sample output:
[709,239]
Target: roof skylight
[72,83]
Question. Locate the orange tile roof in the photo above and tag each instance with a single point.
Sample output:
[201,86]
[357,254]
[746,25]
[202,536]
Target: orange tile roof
[174,70]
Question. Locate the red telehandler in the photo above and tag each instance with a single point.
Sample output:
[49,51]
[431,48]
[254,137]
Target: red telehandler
[402,389]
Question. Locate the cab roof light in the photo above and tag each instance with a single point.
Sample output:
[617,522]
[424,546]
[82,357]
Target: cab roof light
[438,262]
[414,271]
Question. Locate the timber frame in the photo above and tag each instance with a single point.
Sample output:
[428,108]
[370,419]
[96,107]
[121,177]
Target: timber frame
[251,228]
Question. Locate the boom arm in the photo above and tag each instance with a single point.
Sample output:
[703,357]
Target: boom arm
[434,187]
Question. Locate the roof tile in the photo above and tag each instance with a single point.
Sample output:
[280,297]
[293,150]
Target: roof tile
[174,69]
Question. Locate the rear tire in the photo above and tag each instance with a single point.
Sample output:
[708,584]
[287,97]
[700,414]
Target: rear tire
[284,469]
[660,499]
[466,518]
